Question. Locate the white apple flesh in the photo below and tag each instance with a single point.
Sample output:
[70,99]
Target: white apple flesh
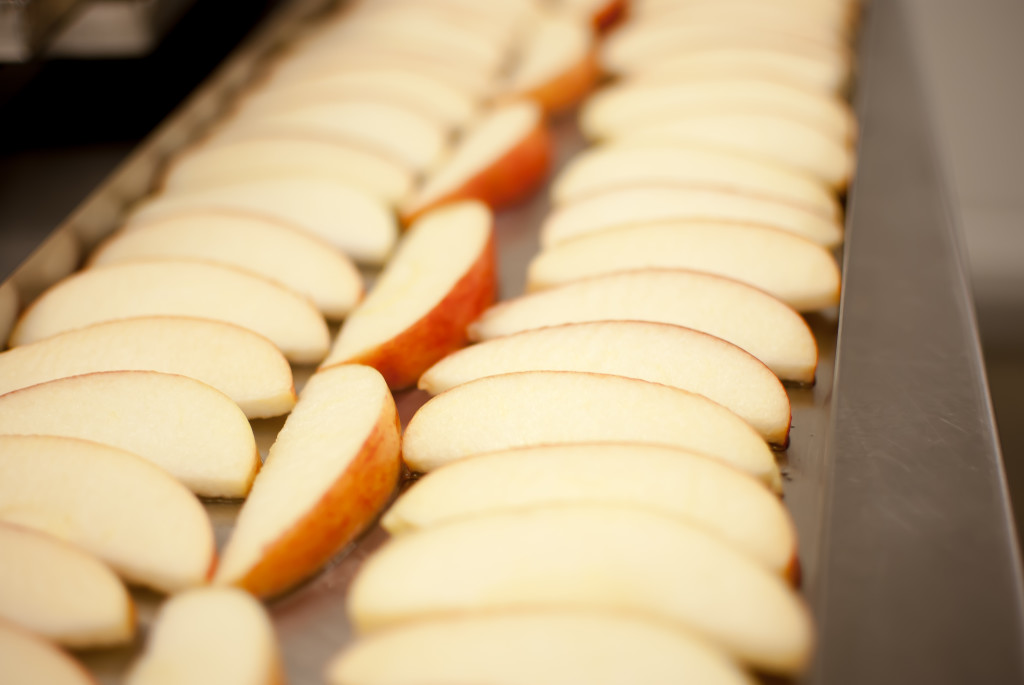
[29,660]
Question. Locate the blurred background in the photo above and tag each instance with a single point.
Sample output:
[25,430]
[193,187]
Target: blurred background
[66,123]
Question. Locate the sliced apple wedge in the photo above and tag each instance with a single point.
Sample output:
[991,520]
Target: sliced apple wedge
[394,131]
[558,407]
[296,259]
[210,635]
[243,365]
[705,492]
[655,352]
[430,96]
[195,433]
[355,222]
[557,67]
[61,592]
[600,557]
[630,205]
[282,157]
[500,160]
[333,467]
[609,167]
[809,19]
[534,648]
[765,135]
[442,277]
[111,503]
[179,287]
[616,110]
[743,315]
[799,272]
[29,659]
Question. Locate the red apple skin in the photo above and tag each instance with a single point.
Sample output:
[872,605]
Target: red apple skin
[794,572]
[568,89]
[511,178]
[442,330]
[610,15]
[350,505]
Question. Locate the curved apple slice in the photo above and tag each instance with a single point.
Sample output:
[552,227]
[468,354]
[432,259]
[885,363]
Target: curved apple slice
[281,157]
[331,470]
[210,635]
[599,557]
[608,167]
[355,222]
[393,130]
[799,272]
[29,659]
[441,278]
[765,135]
[243,365]
[534,648]
[616,110]
[195,433]
[296,259]
[60,592]
[176,287]
[132,515]
[705,492]
[656,352]
[738,313]
[500,160]
[833,20]
[559,407]
[642,204]
[557,66]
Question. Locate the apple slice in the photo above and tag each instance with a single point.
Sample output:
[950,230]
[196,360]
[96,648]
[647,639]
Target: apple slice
[608,167]
[764,135]
[355,222]
[656,352]
[333,467]
[811,19]
[534,648]
[500,161]
[557,67]
[245,366]
[210,635]
[559,407]
[441,278]
[738,313]
[301,261]
[392,130]
[705,492]
[630,205]
[179,287]
[60,592]
[111,503]
[29,660]
[270,157]
[429,96]
[600,557]
[616,110]
[808,281]
[195,433]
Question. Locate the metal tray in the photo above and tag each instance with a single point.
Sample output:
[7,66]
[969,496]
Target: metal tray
[893,475]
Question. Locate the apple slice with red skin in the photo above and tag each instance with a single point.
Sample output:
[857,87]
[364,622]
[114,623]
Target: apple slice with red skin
[210,635]
[598,557]
[442,277]
[334,466]
[656,352]
[29,660]
[133,515]
[501,160]
[558,407]
[194,432]
[799,272]
[243,365]
[534,648]
[741,314]
[61,592]
[704,492]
